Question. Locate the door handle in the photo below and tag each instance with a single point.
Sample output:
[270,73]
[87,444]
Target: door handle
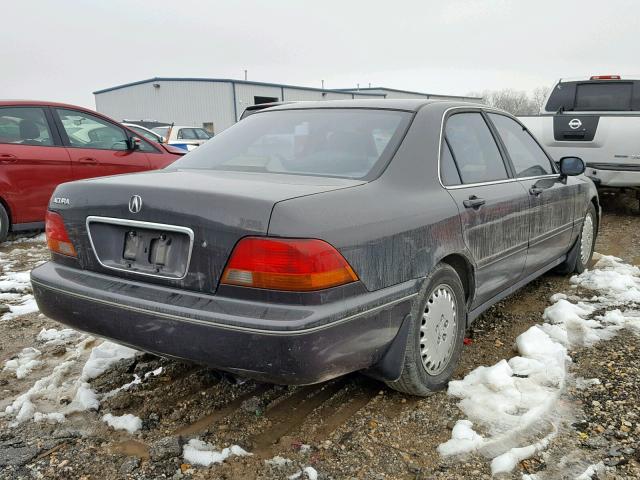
[536,191]
[87,161]
[474,202]
[8,158]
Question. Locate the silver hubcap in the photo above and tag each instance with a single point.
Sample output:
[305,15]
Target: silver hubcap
[438,330]
[586,243]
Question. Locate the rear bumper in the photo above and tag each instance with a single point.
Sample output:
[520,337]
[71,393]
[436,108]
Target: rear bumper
[290,344]
[614,174]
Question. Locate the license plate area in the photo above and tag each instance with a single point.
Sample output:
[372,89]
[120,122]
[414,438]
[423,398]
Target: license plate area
[141,247]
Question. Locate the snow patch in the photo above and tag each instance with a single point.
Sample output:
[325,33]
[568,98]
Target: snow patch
[24,363]
[127,422]
[13,282]
[54,417]
[40,238]
[53,335]
[47,392]
[104,356]
[591,471]
[511,406]
[197,452]
[27,305]
[309,473]
[584,383]
[278,461]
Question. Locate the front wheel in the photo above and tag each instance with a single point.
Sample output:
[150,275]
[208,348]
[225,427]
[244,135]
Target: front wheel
[587,239]
[435,339]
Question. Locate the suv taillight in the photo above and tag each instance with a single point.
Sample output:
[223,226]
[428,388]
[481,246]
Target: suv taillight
[57,238]
[298,265]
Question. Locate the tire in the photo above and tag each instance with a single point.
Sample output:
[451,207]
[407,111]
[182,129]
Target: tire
[443,295]
[587,239]
[4,223]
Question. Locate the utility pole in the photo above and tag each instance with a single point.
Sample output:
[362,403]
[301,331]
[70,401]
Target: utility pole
[245,75]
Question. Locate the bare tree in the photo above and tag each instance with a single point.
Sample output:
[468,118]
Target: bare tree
[517,102]
[539,95]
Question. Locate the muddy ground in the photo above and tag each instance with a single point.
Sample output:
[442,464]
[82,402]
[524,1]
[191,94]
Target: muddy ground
[351,427]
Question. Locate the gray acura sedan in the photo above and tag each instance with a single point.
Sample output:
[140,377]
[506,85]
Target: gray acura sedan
[315,239]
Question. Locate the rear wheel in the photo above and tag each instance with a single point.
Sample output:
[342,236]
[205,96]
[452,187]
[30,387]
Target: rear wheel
[587,239]
[435,339]
[4,223]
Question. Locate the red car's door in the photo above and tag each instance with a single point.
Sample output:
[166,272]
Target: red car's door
[32,162]
[98,147]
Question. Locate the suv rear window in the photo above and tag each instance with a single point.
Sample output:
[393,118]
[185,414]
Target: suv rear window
[595,96]
[334,142]
[603,96]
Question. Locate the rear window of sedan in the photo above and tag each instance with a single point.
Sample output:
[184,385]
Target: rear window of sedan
[335,142]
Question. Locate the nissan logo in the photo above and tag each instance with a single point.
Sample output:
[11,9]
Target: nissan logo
[135,204]
[575,123]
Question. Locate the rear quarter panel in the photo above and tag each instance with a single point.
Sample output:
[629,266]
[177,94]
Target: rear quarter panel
[393,229]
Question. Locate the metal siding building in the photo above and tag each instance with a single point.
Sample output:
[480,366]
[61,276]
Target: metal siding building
[220,102]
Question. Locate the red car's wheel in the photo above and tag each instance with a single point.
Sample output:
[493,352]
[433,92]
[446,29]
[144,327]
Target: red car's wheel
[4,223]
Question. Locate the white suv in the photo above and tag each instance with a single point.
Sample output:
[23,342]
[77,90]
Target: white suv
[597,119]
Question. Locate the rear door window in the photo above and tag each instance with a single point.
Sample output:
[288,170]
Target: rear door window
[474,149]
[24,126]
[448,170]
[526,155]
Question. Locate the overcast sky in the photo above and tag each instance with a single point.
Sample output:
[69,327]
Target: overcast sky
[63,50]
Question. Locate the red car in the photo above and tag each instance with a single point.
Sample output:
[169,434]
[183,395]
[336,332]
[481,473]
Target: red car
[44,144]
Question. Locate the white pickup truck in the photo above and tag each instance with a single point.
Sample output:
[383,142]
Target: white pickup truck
[596,119]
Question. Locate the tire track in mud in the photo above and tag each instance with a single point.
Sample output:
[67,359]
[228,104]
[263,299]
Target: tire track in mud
[290,413]
[220,414]
[337,414]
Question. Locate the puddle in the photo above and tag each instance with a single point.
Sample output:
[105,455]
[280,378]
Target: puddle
[131,448]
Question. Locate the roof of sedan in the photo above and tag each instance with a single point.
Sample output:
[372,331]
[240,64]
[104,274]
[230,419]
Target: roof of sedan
[382,103]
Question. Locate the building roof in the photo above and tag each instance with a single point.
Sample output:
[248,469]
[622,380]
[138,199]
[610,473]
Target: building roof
[367,89]
[229,80]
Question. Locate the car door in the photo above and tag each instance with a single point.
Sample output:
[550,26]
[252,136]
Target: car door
[492,205]
[96,146]
[551,199]
[32,162]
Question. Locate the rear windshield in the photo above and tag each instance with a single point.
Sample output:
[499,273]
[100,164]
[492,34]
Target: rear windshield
[348,143]
[603,96]
[595,96]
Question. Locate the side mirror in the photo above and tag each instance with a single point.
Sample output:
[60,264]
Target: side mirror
[163,140]
[571,166]
[133,143]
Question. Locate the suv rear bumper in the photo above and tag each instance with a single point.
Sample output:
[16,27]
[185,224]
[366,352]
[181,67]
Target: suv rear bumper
[280,343]
[614,174]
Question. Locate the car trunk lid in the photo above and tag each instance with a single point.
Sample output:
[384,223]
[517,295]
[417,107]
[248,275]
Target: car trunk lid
[175,227]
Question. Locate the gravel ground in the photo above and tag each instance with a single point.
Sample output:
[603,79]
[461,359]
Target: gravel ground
[352,427]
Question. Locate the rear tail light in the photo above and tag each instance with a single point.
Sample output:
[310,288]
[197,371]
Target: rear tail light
[57,238]
[299,265]
[605,77]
